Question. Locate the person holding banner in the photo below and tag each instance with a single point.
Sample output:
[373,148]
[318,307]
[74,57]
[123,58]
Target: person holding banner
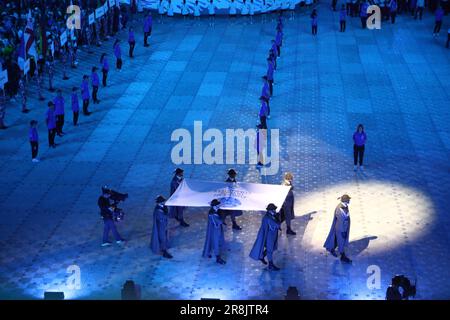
[51,124]
[288,205]
[159,242]
[267,240]
[118,54]
[177,212]
[215,239]
[233,213]
[148,22]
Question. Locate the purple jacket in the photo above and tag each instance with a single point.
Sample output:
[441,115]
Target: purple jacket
[75,105]
[270,71]
[359,138]
[265,91]
[51,119]
[59,106]
[264,111]
[105,64]
[117,51]
[343,15]
[33,135]
[439,14]
[314,20]
[95,79]
[278,38]
[131,37]
[85,90]
[148,24]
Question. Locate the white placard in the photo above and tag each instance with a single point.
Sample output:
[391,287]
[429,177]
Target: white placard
[26,66]
[91,18]
[99,12]
[63,38]
[3,78]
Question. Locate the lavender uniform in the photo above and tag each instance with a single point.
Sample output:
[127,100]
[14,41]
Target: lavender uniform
[339,234]
[215,239]
[175,211]
[159,241]
[85,95]
[267,240]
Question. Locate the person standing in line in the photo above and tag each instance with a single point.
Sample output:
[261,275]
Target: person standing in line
[314,22]
[251,10]
[232,10]
[131,42]
[267,240]
[288,205]
[363,14]
[51,124]
[439,14]
[393,10]
[184,10]
[159,242]
[333,4]
[265,92]
[244,10]
[212,13]
[419,9]
[23,94]
[260,144]
[339,234]
[59,112]
[177,212]
[75,106]
[197,11]
[118,55]
[170,8]
[105,69]
[34,140]
[270,70]
[359,139]
[215,240]
[263,113]
[342,18]
[148,22]
[95,84]
[161,10]
[348,7]
[85,95]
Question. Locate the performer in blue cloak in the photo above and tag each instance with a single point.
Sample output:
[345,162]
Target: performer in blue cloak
[214,233]
[233,213]
[267,241]
[340,230]
[288,205]
[159,242]
[177,212]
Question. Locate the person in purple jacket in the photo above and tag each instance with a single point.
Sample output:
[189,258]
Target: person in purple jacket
[263,113]
[75,106]
[265,92]
[270,69]
[105,68]
[131,41]
[314,22]
[34,140]
[359,140]
[343,18]
[118,54]
[85,94]
[95,84]
[439,14]
[148,22]
[59,113]
[51,124]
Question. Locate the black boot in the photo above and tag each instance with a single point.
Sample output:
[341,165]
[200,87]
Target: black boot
[345,259]
[184,223]
[333,253]
[290,232]
[219,260]
[167,255]
[236,227]
[272,266]
[263,260]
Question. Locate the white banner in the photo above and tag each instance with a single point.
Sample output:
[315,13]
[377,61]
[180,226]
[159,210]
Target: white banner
[91,18]
[99,12]
[3,78]
[233,196]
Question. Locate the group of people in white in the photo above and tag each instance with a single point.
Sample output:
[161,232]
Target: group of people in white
[233,7]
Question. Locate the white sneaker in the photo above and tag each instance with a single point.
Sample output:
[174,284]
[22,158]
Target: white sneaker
[106,244]
[35,160]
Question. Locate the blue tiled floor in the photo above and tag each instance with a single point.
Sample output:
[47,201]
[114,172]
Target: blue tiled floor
[394,80]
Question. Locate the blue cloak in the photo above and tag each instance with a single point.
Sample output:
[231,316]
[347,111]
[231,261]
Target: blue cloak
[267,238]
[159,241]
[340,230]
[175,212]
[214,234]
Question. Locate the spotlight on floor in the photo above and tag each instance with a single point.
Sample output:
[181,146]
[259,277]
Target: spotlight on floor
[131,291]
[292,294]
[51,295]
